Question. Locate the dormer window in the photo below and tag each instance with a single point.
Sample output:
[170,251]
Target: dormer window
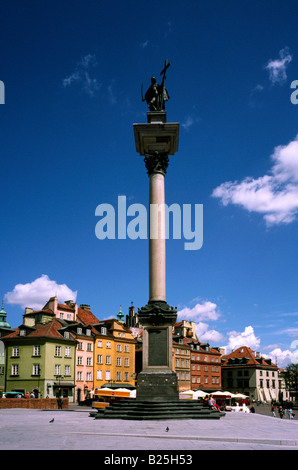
[79,331]
[103,330]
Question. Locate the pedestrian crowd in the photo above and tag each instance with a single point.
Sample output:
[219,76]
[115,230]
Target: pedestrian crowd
[282,411]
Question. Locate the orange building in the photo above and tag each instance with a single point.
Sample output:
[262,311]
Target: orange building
[114,354]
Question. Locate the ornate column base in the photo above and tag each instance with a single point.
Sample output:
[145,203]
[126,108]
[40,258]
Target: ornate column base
[157,381]
[157,387]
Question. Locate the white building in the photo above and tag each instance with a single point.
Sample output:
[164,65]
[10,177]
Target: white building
[246,371]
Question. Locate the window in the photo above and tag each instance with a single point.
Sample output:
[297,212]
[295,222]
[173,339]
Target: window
[15,369]
[118,347]
[109,344]
[57,369]
[126,377]
[99,374]
[89,376]
[103,330]
[80,346]
[58,351]
[88,332]
[99,344]
[66,334]
[67,351]
[108,359]
[118,376]
[36,350]
[80,361]
[118,361]
[99,358]
[67,370]
[79,331]
[36,369]
[89,346]
[80,376]
[89,361]
[126,362]
[108,375]
[15,351]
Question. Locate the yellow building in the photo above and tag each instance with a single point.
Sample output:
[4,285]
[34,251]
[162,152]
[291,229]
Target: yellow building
[114,354]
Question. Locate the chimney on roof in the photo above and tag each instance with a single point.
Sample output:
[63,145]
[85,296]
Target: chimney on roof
[85,307]
[28,310]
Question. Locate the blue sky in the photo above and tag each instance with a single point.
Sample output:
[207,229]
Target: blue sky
[73,72]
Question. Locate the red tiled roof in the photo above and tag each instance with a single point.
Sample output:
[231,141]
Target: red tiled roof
[48,311]
[49,330]
[245,351]
[86,317]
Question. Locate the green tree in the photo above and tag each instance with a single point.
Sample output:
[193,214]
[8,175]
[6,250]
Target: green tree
[291,379]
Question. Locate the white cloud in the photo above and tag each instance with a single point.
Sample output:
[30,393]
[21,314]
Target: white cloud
[145,44]
[204,311]
[205,335]
[274,195]
[35,294]
[81,75]
[187,123]
[277,68]
[283,358]
[244,338]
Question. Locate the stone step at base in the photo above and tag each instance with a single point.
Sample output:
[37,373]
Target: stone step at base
[156,411]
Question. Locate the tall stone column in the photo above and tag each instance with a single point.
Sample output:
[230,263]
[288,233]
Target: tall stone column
[156,140]
[157,242]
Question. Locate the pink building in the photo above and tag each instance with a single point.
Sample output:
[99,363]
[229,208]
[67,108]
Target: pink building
[78,322]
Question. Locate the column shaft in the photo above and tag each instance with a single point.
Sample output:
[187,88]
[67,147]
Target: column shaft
[157,242]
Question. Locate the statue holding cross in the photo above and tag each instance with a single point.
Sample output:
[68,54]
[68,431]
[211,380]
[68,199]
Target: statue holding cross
[156,95]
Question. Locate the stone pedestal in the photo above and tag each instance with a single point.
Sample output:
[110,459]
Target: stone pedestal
[157,382]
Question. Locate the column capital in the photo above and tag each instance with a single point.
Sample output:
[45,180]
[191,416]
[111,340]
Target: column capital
[157,313]
[156,162]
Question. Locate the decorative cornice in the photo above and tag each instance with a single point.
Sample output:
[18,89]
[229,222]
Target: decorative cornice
[157,313]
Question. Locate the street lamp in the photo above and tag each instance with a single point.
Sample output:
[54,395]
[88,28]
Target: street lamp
[59,378]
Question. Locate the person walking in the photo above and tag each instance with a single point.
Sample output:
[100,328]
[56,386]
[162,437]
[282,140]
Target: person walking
[273,410]
[281,412]
[59,402]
